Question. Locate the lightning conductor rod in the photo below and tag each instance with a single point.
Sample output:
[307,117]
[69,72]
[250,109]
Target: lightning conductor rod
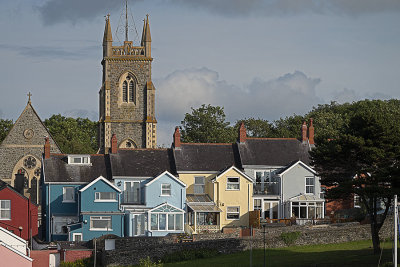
[126,20]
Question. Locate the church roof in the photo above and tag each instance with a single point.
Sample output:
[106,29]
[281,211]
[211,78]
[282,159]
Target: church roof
[26,121]
[57,169]
[273,151]
[142,162]
[206,157]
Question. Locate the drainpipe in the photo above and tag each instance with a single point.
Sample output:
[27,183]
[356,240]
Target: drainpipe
[49,213]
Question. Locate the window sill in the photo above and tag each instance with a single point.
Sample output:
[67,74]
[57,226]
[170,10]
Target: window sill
[68,201]
[101,230]
[106,201]
[232,189]
[165,195]
[5,219]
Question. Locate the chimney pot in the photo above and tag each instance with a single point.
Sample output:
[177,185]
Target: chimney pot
[114,144]
[242,133]
[177,137]
[304,132]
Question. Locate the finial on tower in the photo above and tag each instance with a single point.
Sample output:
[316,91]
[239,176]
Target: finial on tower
[126,21]
[29,97]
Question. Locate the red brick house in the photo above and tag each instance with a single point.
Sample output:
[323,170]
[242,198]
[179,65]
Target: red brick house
[17,213]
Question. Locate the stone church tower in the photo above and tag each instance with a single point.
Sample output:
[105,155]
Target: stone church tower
[21,153]
[127,93]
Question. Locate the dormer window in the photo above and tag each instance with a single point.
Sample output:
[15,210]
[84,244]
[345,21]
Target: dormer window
[79,159]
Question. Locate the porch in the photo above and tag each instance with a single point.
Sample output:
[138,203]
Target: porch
[203,215]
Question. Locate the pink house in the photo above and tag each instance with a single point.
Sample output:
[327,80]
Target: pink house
[14,250]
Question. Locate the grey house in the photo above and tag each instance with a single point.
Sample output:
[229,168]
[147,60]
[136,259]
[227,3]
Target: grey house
[285,186]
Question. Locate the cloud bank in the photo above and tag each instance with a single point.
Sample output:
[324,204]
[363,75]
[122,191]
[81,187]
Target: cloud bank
[181,90]
[56,11]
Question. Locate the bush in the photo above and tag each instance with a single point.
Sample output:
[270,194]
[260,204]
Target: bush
[290,237]
[186,255]
[148,263]
[78,263]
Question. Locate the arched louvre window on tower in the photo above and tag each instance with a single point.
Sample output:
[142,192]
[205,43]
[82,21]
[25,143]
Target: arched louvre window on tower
[125,91]
[132,91]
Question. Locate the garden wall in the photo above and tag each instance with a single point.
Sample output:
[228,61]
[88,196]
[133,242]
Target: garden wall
[129,250]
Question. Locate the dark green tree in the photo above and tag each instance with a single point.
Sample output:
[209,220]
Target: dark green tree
[74,136]
[363,159]
[206,124]
[5,127]
[257,127]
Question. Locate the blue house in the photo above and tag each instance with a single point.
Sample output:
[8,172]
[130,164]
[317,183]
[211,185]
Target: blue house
[153,203]
[99,211]
[63,176]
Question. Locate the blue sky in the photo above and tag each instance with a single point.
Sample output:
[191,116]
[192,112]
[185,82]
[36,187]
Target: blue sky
[256,58]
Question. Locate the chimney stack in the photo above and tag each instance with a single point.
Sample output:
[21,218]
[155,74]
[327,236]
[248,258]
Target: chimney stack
[242,133]
[304,132]
[47,148]
[114,144]
[311,133]
[177,137]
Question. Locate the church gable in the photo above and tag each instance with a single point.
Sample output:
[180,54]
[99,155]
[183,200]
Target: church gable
[21,152]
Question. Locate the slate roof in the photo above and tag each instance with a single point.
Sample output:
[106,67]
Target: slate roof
[142,162]
[273,151]
[57,169]
[206,157]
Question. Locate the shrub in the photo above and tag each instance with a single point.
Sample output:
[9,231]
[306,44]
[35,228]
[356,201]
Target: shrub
[290,237]
[186,255]
[78,263]
[148,263]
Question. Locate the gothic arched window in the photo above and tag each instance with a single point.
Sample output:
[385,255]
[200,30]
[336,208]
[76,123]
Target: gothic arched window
[125,92]
[128,89]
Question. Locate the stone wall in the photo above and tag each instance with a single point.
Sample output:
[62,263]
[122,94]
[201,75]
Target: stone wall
[130,250]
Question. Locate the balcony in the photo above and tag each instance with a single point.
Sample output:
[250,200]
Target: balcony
[129,197]
[266,188]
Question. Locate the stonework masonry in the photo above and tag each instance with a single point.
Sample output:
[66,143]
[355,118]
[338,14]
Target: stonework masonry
[22,148]
[157,247]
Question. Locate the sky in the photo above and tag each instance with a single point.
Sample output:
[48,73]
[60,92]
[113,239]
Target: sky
[256,58]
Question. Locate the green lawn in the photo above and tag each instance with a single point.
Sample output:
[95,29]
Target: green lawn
[357,253]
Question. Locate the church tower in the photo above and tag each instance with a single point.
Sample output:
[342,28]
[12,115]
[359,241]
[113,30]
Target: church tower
[127,92]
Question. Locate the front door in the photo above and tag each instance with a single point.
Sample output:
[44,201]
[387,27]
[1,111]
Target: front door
[138,224]
[271,209]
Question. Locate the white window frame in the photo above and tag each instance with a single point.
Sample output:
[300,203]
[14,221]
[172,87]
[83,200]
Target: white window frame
[5,209]
[238,213]
[232,183]
[84,159]
[310,186]
[163,190]
[97,198]
[64,194]
[166,221]
[196,185]
[93,218]
[74,235]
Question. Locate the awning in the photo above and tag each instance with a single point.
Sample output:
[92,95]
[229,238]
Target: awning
[204,208]
[303,197]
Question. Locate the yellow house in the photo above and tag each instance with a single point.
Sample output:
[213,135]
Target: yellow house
[217,200]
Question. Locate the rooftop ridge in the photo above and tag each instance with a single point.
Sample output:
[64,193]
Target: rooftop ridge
[143,149]
[271,138]
[217,144]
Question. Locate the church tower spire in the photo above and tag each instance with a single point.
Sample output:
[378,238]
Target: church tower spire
[127,94]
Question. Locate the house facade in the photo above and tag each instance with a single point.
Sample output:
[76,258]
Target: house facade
[14,250]
[284,184]
[63,176]
[153,199]
[17,213]
[99,211]
[218,194]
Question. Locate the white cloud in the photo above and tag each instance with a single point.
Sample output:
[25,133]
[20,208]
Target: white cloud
[181,90]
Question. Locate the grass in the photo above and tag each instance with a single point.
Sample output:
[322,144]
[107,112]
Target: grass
[359,253]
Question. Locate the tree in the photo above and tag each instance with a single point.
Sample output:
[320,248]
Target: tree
[206,125]
[256,127]
[5,127]
[364,159]
[74,136]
